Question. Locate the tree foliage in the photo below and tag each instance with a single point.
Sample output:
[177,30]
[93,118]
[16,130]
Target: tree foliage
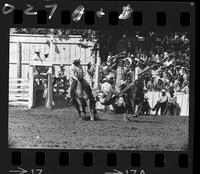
[114,41]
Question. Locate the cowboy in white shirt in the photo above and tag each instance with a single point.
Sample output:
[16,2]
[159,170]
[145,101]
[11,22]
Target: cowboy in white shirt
[76,71]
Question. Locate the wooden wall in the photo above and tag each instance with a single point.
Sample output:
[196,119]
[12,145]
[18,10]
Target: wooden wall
[64,51]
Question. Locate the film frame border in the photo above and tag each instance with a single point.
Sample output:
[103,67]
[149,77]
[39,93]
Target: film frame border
[169,26]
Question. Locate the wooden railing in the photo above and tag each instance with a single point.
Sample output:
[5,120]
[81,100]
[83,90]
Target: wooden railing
[18,91]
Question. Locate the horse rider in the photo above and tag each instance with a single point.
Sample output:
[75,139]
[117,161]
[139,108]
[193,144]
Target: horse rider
[76,71]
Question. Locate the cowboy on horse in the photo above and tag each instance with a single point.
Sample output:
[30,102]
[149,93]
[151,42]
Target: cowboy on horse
[81,93]
[76,71]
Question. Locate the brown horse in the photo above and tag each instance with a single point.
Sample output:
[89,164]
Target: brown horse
[83,98]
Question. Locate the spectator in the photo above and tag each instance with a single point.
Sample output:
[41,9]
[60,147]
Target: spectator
[150,86]
[159,86]
[185,89]
[177,85]
[185,82]
[161,103]
[138,70]
[172,102]
[172,72]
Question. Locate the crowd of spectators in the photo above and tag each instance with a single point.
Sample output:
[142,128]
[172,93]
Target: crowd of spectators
[167,61]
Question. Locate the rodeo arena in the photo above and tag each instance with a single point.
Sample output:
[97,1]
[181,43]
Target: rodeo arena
[131,93]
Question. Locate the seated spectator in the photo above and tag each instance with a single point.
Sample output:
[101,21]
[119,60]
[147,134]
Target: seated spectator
[171,86]
[150,86]
[159,86]
[161,103]
[177,87]
[155,71]
[185,83]
[185,89]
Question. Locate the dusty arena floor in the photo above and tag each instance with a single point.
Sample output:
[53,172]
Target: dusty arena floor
[60,128]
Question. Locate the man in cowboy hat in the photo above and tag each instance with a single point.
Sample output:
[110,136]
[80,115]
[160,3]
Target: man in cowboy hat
[76,71]
[161,103]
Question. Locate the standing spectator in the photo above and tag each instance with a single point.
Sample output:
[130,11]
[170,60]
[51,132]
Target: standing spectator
[172,102]
[161,103]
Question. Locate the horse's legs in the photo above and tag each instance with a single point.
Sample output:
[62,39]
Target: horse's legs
[90,109]
[133,106]
[126,107]
[136,110]
[84,111]
[80,108]
[76,105]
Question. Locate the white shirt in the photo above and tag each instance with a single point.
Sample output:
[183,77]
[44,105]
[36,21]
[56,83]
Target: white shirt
[167,63]
[172,99]
[163,99]
[137,72]
[75,70]
[106,87]
[155,73]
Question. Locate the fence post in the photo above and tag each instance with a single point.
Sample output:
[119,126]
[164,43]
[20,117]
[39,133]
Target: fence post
[52,58]
[96,80]
[19,65]
[19,60]
[31,88]
[49,93]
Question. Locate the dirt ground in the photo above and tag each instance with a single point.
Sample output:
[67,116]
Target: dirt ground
[60,128]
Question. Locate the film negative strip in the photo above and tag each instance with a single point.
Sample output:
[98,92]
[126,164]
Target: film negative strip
[104,87]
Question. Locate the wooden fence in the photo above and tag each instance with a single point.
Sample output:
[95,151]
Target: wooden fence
[153,97]
[22,47]
[18,91]
[21,93]
[182,100]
